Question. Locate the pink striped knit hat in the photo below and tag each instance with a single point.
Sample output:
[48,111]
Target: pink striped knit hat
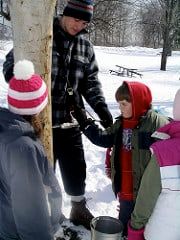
[27,93]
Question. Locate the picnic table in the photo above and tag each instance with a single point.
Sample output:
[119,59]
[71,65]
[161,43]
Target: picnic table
[123,71]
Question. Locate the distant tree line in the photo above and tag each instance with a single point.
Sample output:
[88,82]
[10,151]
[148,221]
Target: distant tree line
[129,22]
[120,23]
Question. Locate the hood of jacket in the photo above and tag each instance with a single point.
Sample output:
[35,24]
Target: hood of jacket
[13,126]
[141,98]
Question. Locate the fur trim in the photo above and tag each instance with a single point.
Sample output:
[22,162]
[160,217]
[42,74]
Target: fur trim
[160,135]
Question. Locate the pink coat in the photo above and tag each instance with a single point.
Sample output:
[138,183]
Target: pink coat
[165,220]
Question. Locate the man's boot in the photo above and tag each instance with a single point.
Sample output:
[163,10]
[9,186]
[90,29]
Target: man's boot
[80,214]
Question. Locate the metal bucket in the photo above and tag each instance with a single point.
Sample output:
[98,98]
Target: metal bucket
[106,228]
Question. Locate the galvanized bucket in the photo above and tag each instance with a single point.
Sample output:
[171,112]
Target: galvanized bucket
[106,228]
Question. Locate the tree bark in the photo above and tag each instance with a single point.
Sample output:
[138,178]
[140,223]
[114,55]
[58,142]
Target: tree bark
[165,50]
[32,39]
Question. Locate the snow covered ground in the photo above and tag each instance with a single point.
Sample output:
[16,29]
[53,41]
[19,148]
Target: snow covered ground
[163,85]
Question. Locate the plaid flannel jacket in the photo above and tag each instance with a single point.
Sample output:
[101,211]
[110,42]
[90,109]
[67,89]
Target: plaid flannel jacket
[72,58]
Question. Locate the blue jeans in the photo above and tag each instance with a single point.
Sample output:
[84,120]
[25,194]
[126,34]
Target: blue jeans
[126,208]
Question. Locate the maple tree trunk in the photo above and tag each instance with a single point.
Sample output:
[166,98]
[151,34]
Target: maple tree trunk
[32,38]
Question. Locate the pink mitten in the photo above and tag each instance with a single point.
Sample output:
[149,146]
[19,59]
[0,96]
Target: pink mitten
[135,234]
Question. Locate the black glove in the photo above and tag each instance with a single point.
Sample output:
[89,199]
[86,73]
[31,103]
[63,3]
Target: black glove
[104,115]
[80,115]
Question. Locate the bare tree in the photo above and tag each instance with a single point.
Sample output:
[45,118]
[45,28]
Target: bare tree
[150,21]
[4,9]
[166,36]
[109,22]
[170,27]
[32,37]
[161,20]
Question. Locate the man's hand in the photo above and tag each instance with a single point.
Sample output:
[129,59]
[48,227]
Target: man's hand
[80,115]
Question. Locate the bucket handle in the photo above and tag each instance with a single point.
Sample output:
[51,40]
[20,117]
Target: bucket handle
[93,225]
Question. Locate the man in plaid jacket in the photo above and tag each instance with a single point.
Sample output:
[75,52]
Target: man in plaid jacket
[74,71]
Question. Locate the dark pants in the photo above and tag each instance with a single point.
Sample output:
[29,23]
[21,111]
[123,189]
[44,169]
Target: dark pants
[126,208]
[68,149]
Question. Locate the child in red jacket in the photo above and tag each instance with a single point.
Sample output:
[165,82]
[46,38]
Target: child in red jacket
[129,138]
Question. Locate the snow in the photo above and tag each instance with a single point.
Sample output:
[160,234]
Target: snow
[163,85]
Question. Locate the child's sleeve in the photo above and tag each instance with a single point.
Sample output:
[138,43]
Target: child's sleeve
[148,194]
